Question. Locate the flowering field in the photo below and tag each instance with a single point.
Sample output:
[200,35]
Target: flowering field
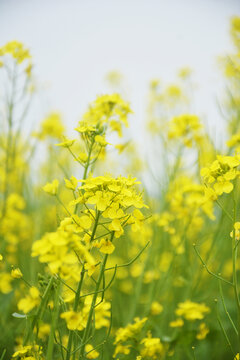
[96,261]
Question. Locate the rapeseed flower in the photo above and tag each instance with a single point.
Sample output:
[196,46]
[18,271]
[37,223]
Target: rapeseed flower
[91,353]
[30,301]
[192,311]
[51,188]
[221,172]
[152,347]
[203,331]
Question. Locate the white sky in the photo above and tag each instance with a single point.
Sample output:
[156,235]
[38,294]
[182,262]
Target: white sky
[74,43]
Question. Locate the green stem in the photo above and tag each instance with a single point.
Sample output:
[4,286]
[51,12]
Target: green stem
[209,271]
[234,279]
[88,326]
[9,144]
[223,330]
[86,166]
[194,355]
[78,292]
[224,210]
[95,226]
[3,353]
[54,321]
[75,307]
[225,307]
[40,309]
[61,203]
[88,159]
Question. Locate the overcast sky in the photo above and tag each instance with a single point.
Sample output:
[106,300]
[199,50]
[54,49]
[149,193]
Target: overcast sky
[74,43]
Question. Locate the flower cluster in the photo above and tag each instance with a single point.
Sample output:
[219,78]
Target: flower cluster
[116,199]
[95,247]
[191,310]
[18,52]
[29,352]
[29,302]
[152,348]
[78,320]
[52,126]
[108,205]
[221,173]
[106,110]
[148,347]
[186,127]
[123,335]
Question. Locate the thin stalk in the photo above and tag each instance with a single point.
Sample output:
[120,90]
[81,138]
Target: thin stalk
[86,167]
[3,353]
[131,261]
[225,308]
[88,326]
[75,307]
[40,309]
[54,321]
[9,143]
[224,210]
[209,271]
[234,277]
[78,292]
[223,330]
[194,355]
[88,159]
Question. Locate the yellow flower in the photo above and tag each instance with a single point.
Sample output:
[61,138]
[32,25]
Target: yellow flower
[74,320]
[101,140]
[29,352]
[84,128]
[173,91]
[156,308]
[191,310]
[203,331]
[82,157]
[109,111]
[223,186]
[184,72]
[52,126]
[43,331]
[90,352]
[153,348]
[66,143]
[85,222]
[30,301]
[237,230]
[102,311]
[90,268]
[16,50]
[176,323]
[5,282]
[123,334]
[51,188]
[220,173]
[106,246]
[121,349]
[16,273]
[187,127]
[72,183]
